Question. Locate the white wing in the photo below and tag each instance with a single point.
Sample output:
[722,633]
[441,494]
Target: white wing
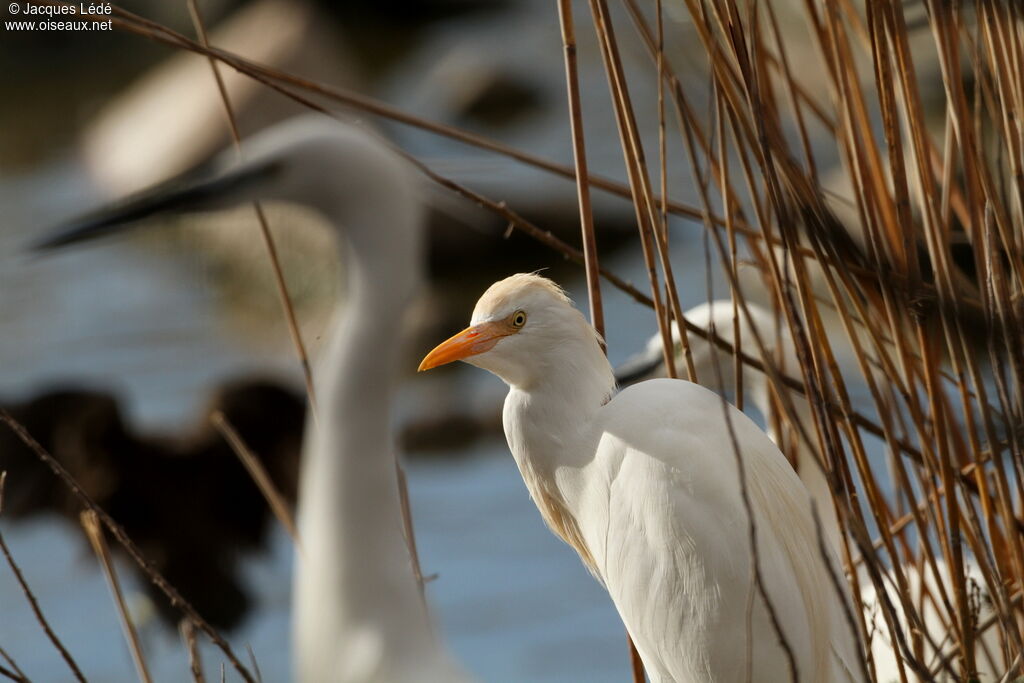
[670,540]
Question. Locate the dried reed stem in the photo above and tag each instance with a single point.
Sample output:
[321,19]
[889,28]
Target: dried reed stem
[33,603]
[11,675]
[591,265]
[259,475]
[410,532]
[14,673]
[133,551]
[195,662]
[94,533]
[635,169]
[268,238]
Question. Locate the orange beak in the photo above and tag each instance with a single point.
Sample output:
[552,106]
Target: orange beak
[470,342]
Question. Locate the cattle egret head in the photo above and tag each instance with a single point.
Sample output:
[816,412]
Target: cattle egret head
[525,330]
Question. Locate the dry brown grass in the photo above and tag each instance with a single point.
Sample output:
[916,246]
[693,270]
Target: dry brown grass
[932,337]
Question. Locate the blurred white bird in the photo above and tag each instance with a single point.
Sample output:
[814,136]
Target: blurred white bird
[359,615]
[646,487]
[938,640]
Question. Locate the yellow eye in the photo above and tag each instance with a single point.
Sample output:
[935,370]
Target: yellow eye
[518,319]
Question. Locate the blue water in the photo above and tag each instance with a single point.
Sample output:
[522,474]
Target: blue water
[514,603]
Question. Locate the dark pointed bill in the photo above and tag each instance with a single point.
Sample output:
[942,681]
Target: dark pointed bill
[637,368]
[179,195]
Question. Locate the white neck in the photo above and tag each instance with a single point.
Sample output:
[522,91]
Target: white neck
[563,390]
[550,427]
[359,614]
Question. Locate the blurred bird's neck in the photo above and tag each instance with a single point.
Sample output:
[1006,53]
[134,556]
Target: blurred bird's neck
[354,573]
[383,254]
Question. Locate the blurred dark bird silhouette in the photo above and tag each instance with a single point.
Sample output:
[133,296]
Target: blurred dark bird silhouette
[186,500]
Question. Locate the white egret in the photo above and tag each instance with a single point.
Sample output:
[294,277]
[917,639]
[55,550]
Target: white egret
[645,487]
[358,615]
[718,316]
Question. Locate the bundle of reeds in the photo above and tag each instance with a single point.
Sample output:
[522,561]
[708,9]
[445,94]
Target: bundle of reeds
[923,279]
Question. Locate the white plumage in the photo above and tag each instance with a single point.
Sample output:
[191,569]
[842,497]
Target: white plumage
[645,487]
[718,315]
[778,344]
